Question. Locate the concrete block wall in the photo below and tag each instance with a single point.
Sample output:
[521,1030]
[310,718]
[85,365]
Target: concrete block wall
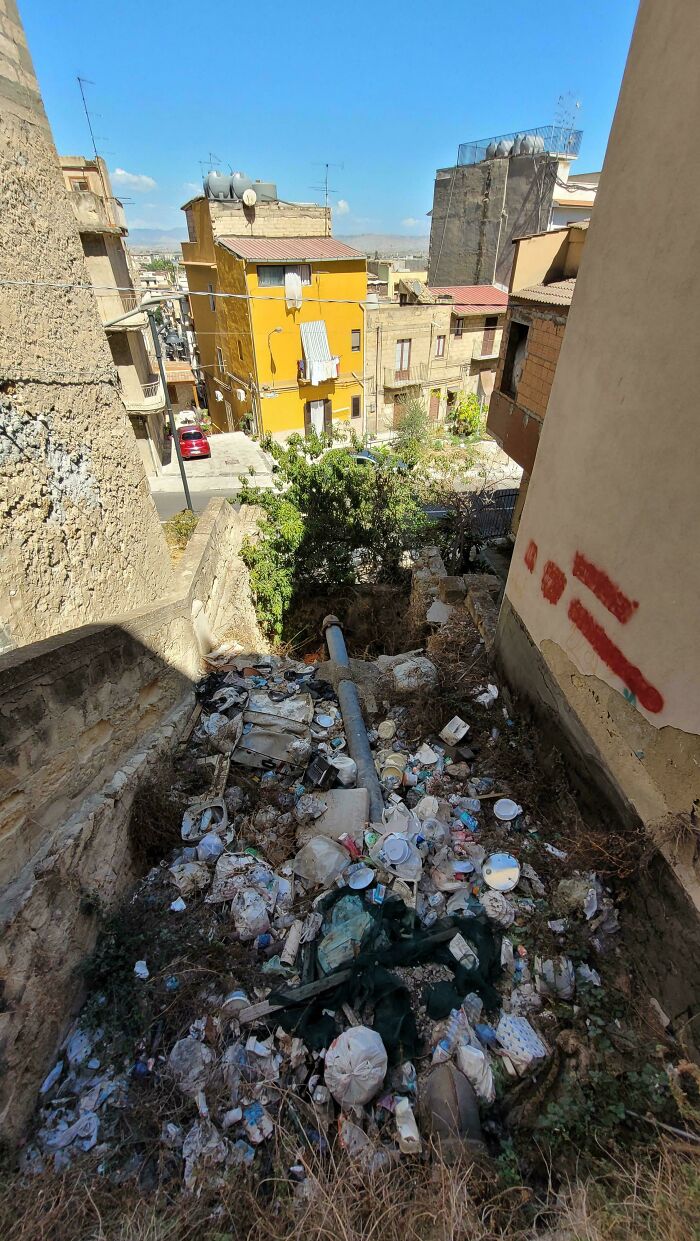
[277,219]
[84,718]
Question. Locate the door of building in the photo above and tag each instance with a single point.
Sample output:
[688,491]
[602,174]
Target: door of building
[434,410]
[316,414]
[318,417]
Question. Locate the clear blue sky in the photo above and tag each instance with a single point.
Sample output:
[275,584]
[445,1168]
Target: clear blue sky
[386,88]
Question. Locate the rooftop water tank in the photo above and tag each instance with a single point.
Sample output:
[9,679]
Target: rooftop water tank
[527,144]
[239,183]
[538,144]
[491,150]
[504,148]
[266,191]
[216,186]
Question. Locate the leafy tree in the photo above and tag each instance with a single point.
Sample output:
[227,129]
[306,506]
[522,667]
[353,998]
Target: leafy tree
[466,417]
[161,264]
[414,431]
[328,521]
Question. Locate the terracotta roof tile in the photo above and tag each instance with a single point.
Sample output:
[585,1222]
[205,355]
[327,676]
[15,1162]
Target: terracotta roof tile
[558,293]
[473,299]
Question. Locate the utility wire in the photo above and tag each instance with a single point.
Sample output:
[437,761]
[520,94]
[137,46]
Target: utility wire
[115,288]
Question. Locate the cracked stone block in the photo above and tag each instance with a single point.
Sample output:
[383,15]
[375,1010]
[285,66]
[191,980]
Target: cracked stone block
[452,589]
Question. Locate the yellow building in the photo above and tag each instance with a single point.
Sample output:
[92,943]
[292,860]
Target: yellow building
[283,349]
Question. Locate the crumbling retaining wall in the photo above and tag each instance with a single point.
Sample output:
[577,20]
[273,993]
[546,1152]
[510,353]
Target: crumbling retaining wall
[83,718]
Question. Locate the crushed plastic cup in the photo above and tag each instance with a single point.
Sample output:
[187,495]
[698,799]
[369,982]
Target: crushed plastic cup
[506,809]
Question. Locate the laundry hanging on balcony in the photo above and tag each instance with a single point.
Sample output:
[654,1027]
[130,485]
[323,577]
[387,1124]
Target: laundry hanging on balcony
[319,364]
[292,288]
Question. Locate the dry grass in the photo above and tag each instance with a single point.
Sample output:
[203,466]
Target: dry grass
[178,531]
[344,1200]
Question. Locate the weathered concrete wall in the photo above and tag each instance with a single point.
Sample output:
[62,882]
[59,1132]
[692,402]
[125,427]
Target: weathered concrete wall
[83,718]
[615,756]
[477,211]
[605,577]
[80,536]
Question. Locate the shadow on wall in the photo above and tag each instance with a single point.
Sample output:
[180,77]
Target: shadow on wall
[85,718]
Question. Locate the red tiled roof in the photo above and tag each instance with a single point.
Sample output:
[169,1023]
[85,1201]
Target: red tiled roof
[289,249]
[473,299]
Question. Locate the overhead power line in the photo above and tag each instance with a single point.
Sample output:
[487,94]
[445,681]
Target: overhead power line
[167,293]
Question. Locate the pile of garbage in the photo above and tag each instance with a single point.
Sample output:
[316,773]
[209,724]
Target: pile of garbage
[394,994]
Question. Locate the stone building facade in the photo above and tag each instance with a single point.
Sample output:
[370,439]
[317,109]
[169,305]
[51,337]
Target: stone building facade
[434,344]
[80,534]
[102,227]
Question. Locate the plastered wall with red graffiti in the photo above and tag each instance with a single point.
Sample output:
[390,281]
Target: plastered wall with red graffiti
[606,624]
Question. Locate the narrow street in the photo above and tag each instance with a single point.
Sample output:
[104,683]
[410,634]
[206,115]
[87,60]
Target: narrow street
[232,454]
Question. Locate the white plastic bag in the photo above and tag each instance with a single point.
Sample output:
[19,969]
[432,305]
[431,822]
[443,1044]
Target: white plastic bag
[474,1063]
[356,1064]
[346,768]
[321,860]
[190,877]
[210,847]
[250,913]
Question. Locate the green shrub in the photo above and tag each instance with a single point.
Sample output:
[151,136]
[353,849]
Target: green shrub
[179,528]
[414,432]
[466,417]
[329,521]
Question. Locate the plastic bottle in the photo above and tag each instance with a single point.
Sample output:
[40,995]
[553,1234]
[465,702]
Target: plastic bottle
[407,1129]
[450,1038]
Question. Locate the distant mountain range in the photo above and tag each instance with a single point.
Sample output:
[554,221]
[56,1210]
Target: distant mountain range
[387,244]
[157,238]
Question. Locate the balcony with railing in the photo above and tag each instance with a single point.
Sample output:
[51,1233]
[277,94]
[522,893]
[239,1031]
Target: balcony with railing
[141,398]
[97,215]
[406,377]
[114,304]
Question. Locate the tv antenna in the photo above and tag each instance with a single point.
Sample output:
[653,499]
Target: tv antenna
[81,83]
[327,189]
[213,161]
[565,119]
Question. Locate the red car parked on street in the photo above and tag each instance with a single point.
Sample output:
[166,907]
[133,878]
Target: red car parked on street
[193,443]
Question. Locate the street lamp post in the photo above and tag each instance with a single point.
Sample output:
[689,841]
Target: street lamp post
[168,405]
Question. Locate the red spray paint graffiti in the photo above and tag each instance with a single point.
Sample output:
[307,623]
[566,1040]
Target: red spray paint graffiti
[531,556]
[553,582]
[553,585]
[611,655]
[604,588]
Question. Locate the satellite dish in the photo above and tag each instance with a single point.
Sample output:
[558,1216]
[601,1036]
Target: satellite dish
[249,197]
